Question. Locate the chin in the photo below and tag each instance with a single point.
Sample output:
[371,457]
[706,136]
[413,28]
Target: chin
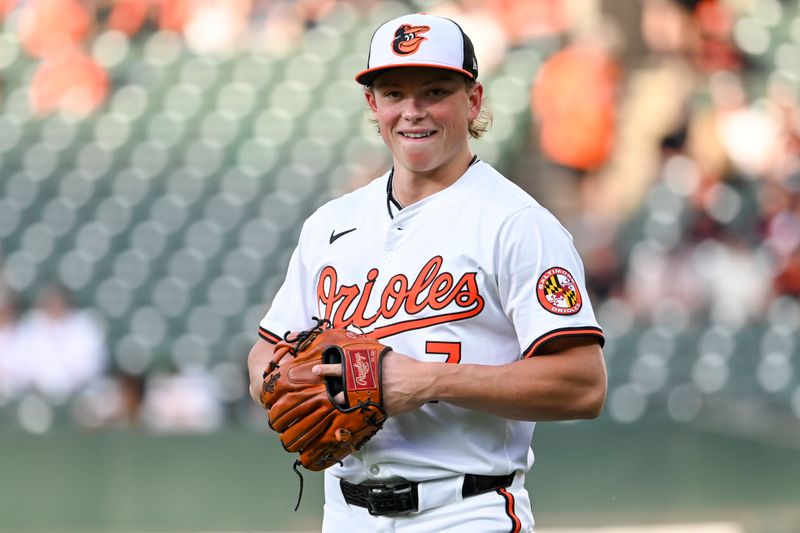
[418,166]
[418,162]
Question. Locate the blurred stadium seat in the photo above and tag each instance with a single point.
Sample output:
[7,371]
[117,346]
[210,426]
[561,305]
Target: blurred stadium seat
[173,209]
[171,212]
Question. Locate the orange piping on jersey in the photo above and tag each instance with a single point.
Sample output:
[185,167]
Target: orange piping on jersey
[268,336]
[563,332]
[430,289]
[516,523]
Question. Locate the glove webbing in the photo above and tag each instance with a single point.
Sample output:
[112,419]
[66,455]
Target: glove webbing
[304,338]
[300,341]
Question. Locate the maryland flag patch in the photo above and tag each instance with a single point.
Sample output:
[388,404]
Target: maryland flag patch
[558,292]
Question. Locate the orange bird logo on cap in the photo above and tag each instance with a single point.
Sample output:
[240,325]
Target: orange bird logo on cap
[407,39]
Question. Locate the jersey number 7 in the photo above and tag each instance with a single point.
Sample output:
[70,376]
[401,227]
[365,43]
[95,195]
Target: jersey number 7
[451,349]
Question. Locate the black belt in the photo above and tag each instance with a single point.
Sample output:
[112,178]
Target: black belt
[399,498]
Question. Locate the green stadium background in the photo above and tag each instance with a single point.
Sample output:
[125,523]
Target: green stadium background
[169,210]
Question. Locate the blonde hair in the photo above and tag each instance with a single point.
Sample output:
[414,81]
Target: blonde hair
[483,121]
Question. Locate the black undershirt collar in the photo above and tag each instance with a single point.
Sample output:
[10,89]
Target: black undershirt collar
[392,201]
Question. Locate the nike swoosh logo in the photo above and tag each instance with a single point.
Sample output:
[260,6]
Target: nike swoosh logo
[335,235]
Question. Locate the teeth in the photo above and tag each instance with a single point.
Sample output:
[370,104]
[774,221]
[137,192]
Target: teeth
[418,135]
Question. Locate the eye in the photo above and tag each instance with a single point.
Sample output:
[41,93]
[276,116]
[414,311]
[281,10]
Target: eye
[409,36]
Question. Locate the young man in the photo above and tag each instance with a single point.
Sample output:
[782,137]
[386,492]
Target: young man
[477,288]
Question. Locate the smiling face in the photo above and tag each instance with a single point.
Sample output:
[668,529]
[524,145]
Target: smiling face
[424,114]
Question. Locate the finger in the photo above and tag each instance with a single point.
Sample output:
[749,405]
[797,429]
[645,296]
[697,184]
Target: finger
[327,370]
[339,398]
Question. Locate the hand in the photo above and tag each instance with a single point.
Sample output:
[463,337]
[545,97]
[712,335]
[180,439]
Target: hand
[406,382]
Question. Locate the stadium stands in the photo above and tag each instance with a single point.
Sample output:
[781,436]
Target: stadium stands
[171,211]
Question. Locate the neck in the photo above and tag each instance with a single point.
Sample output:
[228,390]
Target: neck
[412,186]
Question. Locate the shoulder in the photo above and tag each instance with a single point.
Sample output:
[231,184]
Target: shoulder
[504,200]
[517,213]
[493,190]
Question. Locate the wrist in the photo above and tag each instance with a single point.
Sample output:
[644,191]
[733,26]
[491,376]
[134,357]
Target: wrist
[438,374]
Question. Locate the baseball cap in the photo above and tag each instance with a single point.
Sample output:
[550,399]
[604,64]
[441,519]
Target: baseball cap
[419,40]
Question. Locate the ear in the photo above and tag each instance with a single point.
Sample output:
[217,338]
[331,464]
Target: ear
[369,94]
[475,96]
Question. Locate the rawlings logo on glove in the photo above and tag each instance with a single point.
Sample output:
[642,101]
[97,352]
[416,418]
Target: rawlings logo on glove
[301,405]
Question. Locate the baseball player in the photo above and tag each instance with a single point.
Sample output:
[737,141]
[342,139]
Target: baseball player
[476,287]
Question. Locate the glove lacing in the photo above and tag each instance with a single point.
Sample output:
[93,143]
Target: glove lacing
[304,338]
[299,342]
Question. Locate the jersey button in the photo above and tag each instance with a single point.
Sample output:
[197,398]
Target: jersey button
[391,256]
[374,470]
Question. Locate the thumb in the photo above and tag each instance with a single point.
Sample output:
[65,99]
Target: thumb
[339,398]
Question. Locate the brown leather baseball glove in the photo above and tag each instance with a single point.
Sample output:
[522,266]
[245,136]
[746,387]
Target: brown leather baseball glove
[301,405]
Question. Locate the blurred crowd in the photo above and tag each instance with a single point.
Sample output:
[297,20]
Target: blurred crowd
[55,366]
[60,33]
[685,158]
[662,137]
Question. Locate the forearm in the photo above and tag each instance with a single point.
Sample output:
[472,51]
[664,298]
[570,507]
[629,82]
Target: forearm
[260,356]
[564,386]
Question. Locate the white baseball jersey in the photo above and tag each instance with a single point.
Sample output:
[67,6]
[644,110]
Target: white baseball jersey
[476,273]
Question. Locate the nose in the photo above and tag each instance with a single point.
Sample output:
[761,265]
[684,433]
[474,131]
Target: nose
[413,110]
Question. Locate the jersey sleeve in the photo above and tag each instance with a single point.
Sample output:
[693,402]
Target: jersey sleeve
[290,309]
[541,281]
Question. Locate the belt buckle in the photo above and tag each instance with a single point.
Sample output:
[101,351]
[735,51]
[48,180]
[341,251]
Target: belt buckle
[392,499]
